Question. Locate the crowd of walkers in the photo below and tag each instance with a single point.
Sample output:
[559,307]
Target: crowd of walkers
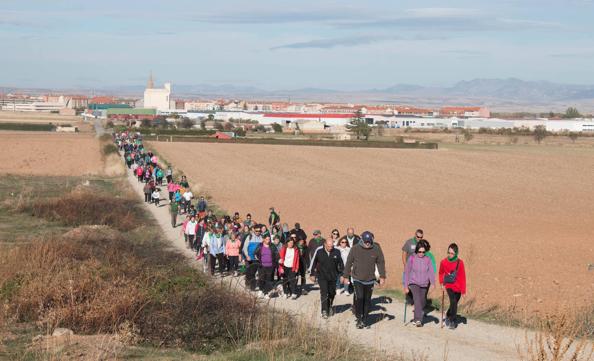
[276,259]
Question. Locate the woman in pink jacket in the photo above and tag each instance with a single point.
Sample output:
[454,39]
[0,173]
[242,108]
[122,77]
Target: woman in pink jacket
[232,251]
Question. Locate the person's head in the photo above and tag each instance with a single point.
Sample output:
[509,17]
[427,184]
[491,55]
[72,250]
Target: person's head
[263,228]
[246,228]
[317,234]
[248,217]
[285,227]
[297,226]
[452,250]
[257,231]
[236,215]
[343,243]
[350,232]
[335,234]
[209,212]
[233,236]
[276,240]
[328,245]
[291,241]
[201,198]
[193,218]
[367,239]
[218,228]
[271,209]
[420,249]
[419,234]
[266,240]
[301,242]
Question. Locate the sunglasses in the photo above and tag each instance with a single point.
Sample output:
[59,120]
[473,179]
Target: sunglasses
[423,252]
[343,243]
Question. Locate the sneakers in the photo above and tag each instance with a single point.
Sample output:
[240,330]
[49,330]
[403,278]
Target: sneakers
[418,324]
[287,296]
[294,297]
[260,294]
[452,325]
[325,315]
[360,324]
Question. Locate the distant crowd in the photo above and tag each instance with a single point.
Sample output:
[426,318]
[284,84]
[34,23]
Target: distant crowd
[276,260]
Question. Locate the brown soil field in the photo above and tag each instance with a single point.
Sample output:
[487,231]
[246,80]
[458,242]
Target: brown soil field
[37,117]
[33,153]
[520,214]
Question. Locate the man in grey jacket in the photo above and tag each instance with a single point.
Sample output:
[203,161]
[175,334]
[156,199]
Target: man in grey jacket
[361,265]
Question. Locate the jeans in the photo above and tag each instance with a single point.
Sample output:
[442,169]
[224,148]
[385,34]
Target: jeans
[250,274]
[419,295]
[362,299]
[212,259]
[233,263]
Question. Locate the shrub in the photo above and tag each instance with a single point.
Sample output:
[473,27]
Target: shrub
[540,133]
[86,208]
[277,128]
[108,149]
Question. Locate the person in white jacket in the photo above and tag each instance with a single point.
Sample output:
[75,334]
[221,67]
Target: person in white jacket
[215,243]
[156,196]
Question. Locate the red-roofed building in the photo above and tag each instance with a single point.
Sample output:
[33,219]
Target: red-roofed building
[465,112]
[412,111]
[102,100]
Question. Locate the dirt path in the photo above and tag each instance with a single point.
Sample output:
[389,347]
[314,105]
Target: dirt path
[473,341]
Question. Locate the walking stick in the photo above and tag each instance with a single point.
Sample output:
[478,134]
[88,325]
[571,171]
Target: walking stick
[405,303]
[442,305]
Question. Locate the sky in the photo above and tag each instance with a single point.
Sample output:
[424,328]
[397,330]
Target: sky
[279,44]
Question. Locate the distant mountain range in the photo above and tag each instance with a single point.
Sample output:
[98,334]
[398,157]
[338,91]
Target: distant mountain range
[504,94]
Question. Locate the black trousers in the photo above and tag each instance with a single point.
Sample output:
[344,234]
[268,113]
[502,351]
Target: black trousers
[266,278]
[168,179]
[220,258]
[250,274]
[170,196]
[301,274]
[289,281]
[363,295]
[233,263]
[147,197]
[454,299]
[327,293]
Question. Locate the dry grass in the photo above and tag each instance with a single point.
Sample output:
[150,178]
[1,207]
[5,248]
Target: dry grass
[559,338]
[87,208]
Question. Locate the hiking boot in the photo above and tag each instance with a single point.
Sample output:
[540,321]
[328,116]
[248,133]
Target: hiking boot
[294,297]
[360,324]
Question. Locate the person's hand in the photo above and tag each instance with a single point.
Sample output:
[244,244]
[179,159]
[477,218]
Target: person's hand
[312,278]
[382,281]
[249,258]
[405,290]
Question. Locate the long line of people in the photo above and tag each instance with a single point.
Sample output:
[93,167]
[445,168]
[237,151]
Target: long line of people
[275,260]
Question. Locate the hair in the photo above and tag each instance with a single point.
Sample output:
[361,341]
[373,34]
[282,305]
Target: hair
[335,230]
[454,247]
[422,244]
[248,215]
[419,231]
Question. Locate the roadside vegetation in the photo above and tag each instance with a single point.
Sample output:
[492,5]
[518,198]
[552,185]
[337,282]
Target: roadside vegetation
[108,273]
[30,127]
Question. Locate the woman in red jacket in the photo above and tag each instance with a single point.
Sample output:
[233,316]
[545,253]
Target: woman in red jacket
[452,276]
[289,266]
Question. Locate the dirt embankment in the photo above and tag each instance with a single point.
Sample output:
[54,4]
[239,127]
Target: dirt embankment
[516,212]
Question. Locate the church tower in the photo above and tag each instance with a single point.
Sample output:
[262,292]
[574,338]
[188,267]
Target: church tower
[150,84]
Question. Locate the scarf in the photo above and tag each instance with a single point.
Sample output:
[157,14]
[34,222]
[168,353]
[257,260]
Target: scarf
[453,259]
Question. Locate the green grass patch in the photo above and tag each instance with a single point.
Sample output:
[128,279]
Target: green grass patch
[29,127]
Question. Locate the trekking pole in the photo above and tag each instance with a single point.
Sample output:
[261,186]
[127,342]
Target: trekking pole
[442,305]
[405,303]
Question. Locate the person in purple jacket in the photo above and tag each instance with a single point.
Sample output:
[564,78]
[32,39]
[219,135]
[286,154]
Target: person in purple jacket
[267,254]
[419,277]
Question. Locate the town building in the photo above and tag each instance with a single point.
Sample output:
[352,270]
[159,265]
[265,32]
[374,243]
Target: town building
[157,98]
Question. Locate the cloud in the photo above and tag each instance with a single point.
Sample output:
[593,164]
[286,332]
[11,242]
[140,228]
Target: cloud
[465,52]
[349,41]
[284,16]
[588,54]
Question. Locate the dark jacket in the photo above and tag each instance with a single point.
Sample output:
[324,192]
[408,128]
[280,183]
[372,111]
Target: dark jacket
[275,254]
[361,263]
[313,245]
[273,219]
[326,265]
[300,233]
[355,241]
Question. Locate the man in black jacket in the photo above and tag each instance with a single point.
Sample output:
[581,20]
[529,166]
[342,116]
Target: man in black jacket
[327,265]
[361,264]
[299,232]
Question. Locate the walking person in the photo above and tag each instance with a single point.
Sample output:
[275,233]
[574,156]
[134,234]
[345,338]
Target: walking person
[173,209]
[419,277]
[201,207]
[187,200]
[273,218]
[408,249]
[343,247]
[351,237]
[335,236]
[303,262]
[171,187]
[362,261]
[147,192]
[232,251]
[452,277]
[289,264]
[314,243]
[267,255]
[190,231]
[299,232]
[169,175]
[215,242]
[156,196]
[249,247]
[326,266]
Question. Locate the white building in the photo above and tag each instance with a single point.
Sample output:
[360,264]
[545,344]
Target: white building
[157,98]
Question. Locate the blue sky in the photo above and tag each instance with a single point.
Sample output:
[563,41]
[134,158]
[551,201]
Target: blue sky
[282,44]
